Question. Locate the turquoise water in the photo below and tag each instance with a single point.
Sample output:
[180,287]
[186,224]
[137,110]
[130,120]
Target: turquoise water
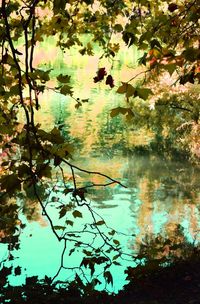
[154,203]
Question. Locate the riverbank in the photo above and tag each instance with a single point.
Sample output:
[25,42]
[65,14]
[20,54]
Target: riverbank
[175,284]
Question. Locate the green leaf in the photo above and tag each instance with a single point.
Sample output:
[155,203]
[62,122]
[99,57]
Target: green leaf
[114,112]
[41,75]
[143,93]
[126,88]
[43,171]
[122,89]
[130,90]
[116,257]
[63,150]
[77,213]
[10,183]
[66,90]
[23,170]
[191,54]
[170,68]
[14,90]
[146,36]
[56,136]
[119,110]
[118,28]
[63,78]
[129,115]
[155,43]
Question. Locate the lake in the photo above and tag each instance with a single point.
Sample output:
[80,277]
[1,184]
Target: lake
[160,195]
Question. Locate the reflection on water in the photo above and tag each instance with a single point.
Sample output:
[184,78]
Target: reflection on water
[159,196]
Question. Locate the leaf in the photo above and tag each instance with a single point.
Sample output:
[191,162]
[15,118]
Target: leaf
[191,54]
[110,81]
[116,242]
[91,266]
[126,88]
[129,38]
[62,212]
[71,251]
[118,28]
[129,115]
[100,260]
[66,90]
[11,183]
[99,223]
[67,191]
[23,170]
[17,270]
[63,78]
[119,110]
[59,227]
[14,90]
[86,252]
[84,262]
[130,90]
[112,232]
[63,150]
[58,6]
[78,105]
[116,257]
[41,75]
[172,7]
[80,193]
[108,277]
[155,43]
[43,170]
[77,213]
[56,136]
[100,75]
[114,112]
[122,89]
[170,68]
[57,161]
[143,93]
[68,222]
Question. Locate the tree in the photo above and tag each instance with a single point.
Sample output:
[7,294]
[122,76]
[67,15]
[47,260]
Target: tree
[168,32]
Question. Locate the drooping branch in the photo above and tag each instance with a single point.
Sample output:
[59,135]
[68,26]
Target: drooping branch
[93,172]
